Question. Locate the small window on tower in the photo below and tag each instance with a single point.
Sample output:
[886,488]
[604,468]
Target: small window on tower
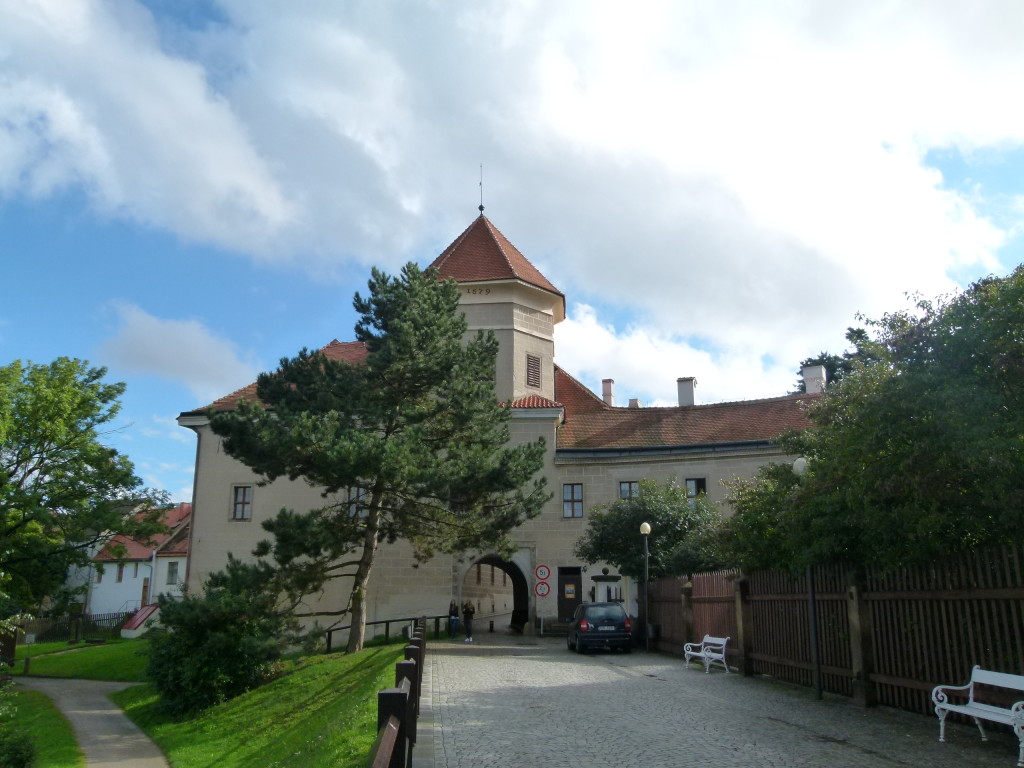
[533,371]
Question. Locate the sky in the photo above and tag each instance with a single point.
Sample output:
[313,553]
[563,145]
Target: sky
[192,190]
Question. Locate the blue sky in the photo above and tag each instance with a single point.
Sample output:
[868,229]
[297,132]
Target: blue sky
[190,191]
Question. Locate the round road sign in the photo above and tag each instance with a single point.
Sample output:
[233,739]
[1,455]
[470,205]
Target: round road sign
[541,589]
[542,572]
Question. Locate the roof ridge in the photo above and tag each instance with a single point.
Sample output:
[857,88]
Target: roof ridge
[492,230]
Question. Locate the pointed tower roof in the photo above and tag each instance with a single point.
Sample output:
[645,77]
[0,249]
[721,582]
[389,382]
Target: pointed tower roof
[482,254]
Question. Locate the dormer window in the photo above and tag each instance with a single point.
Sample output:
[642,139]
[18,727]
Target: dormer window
[533,371]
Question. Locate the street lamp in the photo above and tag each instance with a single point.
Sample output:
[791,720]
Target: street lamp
[645,529]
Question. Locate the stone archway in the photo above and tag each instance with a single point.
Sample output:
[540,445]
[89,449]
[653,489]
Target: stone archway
[504,598]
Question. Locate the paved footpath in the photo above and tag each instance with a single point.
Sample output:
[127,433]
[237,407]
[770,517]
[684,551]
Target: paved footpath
[107,737]
[520,701]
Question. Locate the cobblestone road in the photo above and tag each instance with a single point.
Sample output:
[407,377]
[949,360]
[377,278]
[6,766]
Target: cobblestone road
[526,702]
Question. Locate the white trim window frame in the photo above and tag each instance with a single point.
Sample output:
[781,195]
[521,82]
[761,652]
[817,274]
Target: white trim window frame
[241,502]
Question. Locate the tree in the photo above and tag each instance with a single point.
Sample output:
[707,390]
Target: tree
[918,453]
[213,647]
[838,366]
[412,444]
[62,492]
[682,538]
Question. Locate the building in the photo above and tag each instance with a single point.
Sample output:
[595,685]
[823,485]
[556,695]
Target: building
[598,452]
[128,574]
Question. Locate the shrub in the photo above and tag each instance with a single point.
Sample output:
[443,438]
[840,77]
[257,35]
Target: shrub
[214,647]
[16,748]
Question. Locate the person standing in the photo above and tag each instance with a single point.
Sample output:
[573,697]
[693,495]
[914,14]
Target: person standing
[467,619]
[453,618]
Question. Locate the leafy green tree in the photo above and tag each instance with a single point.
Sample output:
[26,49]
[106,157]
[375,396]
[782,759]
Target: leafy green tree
[682,538]
[416,429]
[837,367]
[62,492]
[917,454]
[213,647]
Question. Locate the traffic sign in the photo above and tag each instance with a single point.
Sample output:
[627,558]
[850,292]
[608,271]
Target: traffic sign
[542,572]
[541,589]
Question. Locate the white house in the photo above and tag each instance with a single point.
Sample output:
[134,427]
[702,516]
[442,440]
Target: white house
[128,574]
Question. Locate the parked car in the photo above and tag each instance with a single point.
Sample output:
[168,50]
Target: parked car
[600,625]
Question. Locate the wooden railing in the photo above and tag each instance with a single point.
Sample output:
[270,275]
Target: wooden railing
[398,708]
[408,621]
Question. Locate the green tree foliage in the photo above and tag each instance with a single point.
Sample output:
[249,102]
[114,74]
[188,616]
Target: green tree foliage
[838,366]
[62,492]
[213,647]
[417,430]
[682,538]
[917,453]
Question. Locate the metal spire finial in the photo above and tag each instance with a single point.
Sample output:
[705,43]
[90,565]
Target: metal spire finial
[481,189]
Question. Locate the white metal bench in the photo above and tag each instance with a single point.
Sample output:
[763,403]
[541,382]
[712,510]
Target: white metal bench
[1012,715]
[709,651]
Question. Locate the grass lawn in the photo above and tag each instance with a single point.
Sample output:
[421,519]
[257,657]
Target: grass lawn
[49,731]
[57,646]
[323,711]
[122,661]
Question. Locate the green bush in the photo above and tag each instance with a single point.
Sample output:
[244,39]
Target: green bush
[214,647]
[16,749]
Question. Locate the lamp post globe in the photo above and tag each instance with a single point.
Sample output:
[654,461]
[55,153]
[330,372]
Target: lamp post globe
[645,529]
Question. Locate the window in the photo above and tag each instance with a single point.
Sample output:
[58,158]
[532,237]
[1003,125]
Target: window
[695,486]
[478,573]
[572,500]
[241,506]
[99,576]
[357,502]
[172,572]
[120,572]
[533,371]
[135,572]
[629,489]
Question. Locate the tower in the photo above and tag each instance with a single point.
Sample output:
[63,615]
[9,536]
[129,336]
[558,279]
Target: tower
[503,292]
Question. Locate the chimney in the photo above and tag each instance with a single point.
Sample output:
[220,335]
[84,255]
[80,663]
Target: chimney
[634,402]
[814,378]
[608,391]
[686,387]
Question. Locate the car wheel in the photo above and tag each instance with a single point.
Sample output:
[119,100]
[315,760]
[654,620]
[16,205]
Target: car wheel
[568,643]
[627,649]
[580,648]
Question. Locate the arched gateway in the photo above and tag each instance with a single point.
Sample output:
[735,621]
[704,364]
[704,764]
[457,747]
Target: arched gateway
[500,592]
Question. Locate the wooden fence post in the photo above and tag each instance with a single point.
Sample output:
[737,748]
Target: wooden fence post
[861,650]
[394,702]
[744,624]
[685,596]
[407,670]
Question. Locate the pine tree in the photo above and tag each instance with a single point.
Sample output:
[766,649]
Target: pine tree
[412,444]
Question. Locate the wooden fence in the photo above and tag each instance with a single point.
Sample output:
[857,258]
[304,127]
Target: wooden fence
[398,708]
[882,639]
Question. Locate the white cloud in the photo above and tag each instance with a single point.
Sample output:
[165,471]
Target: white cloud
[740,177]
[645,364]
[178,350]
[89,99]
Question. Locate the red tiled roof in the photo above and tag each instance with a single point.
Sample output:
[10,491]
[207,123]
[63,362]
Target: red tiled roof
[534,401]
[590,423]
[348,351]
[482,253]
[176,518]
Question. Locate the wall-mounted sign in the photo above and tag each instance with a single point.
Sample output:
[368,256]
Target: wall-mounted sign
[542,572]
[570,591]
[542,589]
